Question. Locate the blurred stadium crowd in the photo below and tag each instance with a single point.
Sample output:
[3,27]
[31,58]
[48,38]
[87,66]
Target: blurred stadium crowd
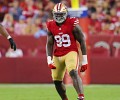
[104,16]
[25,17]
[28,17]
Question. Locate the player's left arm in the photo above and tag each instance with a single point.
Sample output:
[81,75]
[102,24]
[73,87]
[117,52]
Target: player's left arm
[4,32]
[78,34]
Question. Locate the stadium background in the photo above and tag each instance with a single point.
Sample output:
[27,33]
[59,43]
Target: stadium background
[25,21]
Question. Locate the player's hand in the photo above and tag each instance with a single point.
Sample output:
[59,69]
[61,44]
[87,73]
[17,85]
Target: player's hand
[51,66]
[12,44]
[50,63]
[83,68]
[84,64]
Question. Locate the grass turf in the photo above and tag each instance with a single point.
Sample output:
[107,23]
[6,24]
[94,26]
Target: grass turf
[48,92]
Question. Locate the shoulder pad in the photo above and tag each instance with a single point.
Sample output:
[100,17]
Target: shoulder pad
[76,21]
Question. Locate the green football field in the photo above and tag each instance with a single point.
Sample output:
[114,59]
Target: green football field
[48,92]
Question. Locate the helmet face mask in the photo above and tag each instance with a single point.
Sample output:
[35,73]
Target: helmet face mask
[60,13]
[59,17]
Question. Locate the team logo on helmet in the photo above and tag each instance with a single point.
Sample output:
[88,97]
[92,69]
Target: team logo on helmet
[60,13]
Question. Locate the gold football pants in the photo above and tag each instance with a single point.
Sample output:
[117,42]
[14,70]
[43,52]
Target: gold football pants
[69,61]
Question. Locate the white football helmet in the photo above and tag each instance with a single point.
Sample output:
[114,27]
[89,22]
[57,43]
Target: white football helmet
[60,13]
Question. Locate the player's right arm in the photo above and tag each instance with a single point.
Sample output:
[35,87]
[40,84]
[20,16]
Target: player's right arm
[4,32]
[49,49]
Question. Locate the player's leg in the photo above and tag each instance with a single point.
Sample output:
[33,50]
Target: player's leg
[57,75]
[72,63]
[77,83]
[60,87]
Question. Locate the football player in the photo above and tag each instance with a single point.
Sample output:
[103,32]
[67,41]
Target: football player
[4,32]
[63,32]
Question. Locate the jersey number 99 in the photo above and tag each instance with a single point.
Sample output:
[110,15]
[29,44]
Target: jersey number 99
[63,40]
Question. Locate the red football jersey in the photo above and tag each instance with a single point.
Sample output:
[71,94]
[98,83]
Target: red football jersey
[63,36]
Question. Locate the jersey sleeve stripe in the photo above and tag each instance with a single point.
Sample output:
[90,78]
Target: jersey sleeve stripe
[76,20]
[76,23]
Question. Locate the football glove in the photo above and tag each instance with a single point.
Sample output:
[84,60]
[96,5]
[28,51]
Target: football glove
[12,43]
[50,63]
[84,63]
